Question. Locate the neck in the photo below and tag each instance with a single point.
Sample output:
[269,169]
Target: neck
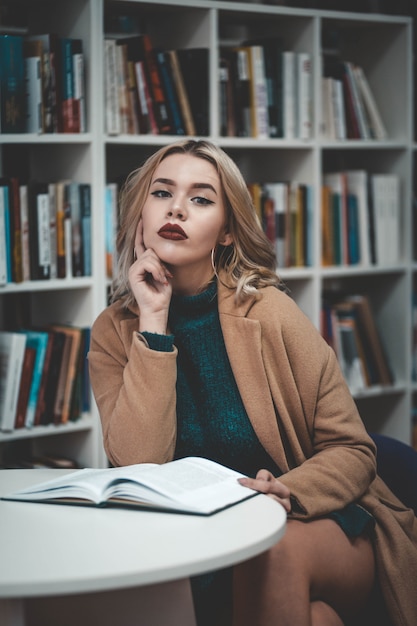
[190,283]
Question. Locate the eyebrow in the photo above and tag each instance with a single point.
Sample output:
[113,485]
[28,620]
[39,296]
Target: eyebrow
[168,181]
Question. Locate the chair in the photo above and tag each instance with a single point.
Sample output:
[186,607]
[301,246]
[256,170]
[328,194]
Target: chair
[397,466]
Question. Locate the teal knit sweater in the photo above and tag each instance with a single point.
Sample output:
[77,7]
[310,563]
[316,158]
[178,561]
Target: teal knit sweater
[211,419]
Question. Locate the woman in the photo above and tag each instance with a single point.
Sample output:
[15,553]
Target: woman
[201,354]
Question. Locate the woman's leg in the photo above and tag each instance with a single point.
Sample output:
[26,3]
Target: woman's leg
[315,575]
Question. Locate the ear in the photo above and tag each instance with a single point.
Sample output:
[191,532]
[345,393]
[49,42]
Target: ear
[226,240]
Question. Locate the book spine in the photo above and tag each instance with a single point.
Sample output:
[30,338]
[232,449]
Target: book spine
[16,231]
[338,109]
[39,343]
[12,85]
[113,126]
[52,230]
[171,96]
[259,95]
[24,217]
[357,102]
[182,93]
[33,82]
[49,85]
[289,94]
[158,97]
[67,231]
[24,388]
[242,91]
[111,193]
[304,98]
[194,63]
[223,96]
[76,234]
[137,122]
[60,229]
[377,125]
[79,84]
[5,204]
[39,237]
[70,122]
[123,100]
[85,207]
[145,99]
[41,401]
[14,360]
[3,255]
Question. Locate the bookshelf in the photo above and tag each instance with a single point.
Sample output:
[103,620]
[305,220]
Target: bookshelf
[383,47]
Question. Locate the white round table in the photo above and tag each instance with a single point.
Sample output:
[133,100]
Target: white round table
[98,559]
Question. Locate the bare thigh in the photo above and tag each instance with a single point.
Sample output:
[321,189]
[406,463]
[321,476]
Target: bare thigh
[315,561]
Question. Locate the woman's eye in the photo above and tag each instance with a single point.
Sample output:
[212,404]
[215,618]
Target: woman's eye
[202,200]
[160,193]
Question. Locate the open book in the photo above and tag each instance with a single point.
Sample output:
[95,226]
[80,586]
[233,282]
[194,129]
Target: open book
[189,485]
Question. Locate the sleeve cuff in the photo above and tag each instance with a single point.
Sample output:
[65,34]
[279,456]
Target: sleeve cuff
[155,341]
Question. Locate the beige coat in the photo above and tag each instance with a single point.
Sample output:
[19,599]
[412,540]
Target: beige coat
[297,401]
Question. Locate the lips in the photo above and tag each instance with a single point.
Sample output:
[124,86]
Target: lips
[173,232]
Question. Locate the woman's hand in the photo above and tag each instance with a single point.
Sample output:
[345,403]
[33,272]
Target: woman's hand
[266,483]
[149,281]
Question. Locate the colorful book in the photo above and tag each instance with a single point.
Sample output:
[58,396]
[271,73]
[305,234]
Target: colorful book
[181,92]
[194,64]
[112,113]
[68,372]
[168,85]
[39,241]
[6,272]
[68,106]
[33,55]
[24,389]
[49,42]
[39,341]
[12,351]
[15,230]
[85,211]
[73,198]
[12,85]
[24,219]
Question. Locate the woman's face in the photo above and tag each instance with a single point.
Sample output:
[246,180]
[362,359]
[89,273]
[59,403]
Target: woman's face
[184,214]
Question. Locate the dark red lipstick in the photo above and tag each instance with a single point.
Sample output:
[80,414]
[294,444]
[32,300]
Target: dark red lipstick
[173,232]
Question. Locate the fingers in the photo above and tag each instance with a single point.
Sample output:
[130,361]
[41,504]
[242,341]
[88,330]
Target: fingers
[148,267]
[265,482]
[139,245]
[146,262]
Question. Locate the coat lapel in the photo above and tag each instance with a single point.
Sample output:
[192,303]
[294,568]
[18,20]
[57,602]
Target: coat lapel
[242,338]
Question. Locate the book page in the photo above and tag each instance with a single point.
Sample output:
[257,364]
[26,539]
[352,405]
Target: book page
[190,484]
[193,483]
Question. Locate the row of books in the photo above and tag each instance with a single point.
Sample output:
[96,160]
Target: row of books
[45,230]
[285,211]
[265,91]
[42,84]
[361,218]
[349,326]
[44,376]
[151,90]
[349,107]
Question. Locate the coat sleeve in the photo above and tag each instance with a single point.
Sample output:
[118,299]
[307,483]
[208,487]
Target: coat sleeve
[333,458]
[134,388]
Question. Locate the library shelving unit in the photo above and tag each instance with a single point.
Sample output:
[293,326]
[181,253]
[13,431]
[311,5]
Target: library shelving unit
[381,44]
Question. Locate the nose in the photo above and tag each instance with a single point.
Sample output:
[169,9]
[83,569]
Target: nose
[177,210]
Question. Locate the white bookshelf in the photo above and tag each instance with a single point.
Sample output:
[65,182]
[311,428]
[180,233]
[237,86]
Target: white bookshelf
[381,44]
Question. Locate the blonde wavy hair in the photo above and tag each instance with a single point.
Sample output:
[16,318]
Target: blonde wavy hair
[246,265]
